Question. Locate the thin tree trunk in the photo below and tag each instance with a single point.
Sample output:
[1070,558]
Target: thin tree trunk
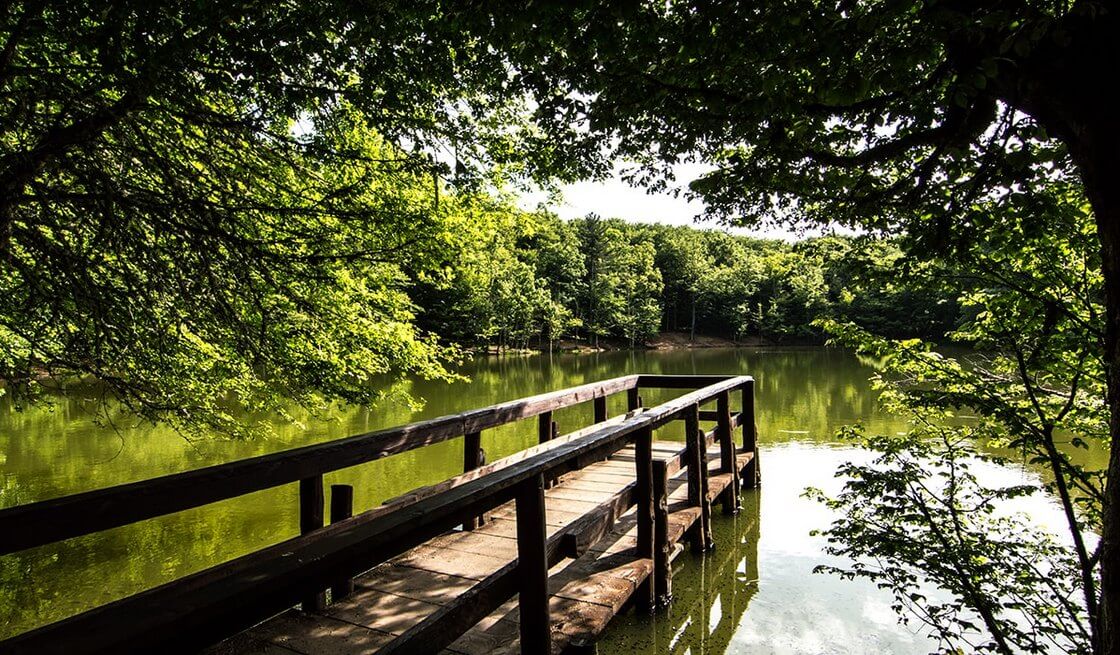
[1100,168]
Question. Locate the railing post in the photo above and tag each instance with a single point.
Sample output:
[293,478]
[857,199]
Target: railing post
[662,549]
[700,534]
[473,458]
[342,508]
[547,431]
[311,519]
[600,409]
[728,461]
[633,400]
[751,476]
[532,565]
[643,460]
[544,427]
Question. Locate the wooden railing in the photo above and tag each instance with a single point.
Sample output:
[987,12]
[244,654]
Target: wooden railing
[200,609]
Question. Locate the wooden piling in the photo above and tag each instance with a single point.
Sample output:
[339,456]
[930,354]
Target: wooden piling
[662,547]
[311,519]
[645,598]
[532,598]
[700,533]
[751,476]
[730,497]
[342,508]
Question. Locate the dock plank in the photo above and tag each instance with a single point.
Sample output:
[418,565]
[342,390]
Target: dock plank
[585,593]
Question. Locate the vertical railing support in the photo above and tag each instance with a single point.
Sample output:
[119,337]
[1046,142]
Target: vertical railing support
[751,473]
[544,427]
[662,548]
[546,431]
[473,458]
[700,534]
[728,463]
[532,565]
[633,400]
[342,508]
[643,461]
[311,519]
[600,409]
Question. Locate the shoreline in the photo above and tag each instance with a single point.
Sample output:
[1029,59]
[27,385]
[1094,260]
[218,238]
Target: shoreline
[663,341]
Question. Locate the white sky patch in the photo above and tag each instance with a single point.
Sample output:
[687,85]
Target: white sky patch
[615,198]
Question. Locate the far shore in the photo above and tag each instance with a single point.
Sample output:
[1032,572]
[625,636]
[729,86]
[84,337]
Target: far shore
[663,341]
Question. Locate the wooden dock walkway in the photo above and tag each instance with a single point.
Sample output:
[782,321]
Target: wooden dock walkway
[535,552]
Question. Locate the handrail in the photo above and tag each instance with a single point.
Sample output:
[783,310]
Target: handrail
[229,597]
[56,519]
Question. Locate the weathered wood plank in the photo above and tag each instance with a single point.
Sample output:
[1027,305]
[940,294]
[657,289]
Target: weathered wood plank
[532,568]
[662,547]
[310,520]
[751,478]
[239,593]
[730,498]
[342,508]
[34,524]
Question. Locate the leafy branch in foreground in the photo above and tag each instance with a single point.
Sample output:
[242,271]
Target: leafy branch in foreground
[933,522]
[918,514]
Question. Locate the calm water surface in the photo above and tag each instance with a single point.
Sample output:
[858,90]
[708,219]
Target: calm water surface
[755,593]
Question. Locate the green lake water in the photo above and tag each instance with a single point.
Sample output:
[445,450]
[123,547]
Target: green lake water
[755,593]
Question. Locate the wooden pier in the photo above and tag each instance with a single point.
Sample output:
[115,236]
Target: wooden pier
[533,553]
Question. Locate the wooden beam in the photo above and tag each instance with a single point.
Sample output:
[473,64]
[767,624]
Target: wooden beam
[643,462]
[203,608]
[695,447]
[751,477]
[48,521]
[662,548]
[600,409]
[532,568]
[681,381]
[310,520]
[726,439]
[713,415]
[441,628]
[472,459]
[633,400]
[342,508]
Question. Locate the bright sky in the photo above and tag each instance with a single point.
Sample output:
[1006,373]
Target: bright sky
[614,198]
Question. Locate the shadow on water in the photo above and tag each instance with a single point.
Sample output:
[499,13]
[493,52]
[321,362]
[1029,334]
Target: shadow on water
[711,592]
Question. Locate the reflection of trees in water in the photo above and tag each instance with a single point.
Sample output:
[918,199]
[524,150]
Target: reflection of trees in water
[52,453]
[710,594]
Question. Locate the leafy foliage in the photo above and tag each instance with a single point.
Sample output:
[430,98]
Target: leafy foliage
[919,514]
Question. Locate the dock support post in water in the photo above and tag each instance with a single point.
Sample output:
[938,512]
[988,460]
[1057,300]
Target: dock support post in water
[532,564]
[730,496]
[643,486]
[700,535]
[662,548]
[342,508]
[751,473]
[310,520]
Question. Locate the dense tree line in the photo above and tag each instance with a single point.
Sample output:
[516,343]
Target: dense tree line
[521,280]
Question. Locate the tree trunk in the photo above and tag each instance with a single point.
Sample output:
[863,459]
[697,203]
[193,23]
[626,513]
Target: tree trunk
[1099,161]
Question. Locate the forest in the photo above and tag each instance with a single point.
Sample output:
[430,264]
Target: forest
[213,210]
[531,280]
